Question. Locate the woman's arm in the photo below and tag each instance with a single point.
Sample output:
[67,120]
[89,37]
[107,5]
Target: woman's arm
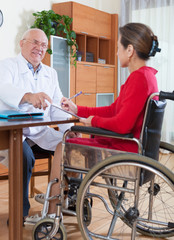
[131,104]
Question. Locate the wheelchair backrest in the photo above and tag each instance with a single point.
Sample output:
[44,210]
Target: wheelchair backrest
[152,125]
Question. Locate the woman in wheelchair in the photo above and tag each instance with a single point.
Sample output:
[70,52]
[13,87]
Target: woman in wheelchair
[136,44]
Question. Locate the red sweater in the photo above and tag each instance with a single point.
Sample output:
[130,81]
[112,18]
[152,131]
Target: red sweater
[126,114]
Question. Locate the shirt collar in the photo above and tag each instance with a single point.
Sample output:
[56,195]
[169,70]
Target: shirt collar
[23,67]
[32,69]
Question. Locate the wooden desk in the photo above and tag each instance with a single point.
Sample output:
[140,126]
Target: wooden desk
[11,138]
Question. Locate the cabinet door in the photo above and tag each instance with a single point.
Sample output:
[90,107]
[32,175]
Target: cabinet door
[64,8]
[83,19]
[103,24]
[88,100]
[85,78]
[105,79]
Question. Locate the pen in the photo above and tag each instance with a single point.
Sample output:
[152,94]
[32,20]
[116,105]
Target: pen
[77,94]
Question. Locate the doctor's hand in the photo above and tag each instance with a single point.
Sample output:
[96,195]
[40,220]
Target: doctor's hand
[68,105]
[86,121]
[36,99]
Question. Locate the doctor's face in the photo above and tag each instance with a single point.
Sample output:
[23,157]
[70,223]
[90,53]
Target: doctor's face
[33,46]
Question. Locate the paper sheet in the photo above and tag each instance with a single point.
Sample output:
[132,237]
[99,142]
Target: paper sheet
[55,105]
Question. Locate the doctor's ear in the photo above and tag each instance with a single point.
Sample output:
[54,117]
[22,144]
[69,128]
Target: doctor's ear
[21,43]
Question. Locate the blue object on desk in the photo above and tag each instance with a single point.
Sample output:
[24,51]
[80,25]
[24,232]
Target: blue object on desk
[14,114]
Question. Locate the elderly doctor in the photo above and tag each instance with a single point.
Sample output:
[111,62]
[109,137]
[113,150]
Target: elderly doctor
[28,85]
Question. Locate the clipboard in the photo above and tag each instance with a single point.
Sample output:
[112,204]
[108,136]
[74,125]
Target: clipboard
[74,115]
[14,114]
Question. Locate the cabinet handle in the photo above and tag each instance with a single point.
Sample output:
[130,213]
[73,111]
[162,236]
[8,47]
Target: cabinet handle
[87,65]
[84,33]
[87,94]
[106,67]
[103,37]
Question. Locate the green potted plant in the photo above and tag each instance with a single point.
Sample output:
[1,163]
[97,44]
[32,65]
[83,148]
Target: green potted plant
[58,25]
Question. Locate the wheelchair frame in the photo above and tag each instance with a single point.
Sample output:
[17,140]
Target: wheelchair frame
[116,206]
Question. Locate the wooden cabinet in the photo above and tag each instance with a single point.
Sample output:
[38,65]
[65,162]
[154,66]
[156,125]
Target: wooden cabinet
[96,35]
[92,79]
[86,20]
[86,78]
[103,24]
[105,79]
[83,19]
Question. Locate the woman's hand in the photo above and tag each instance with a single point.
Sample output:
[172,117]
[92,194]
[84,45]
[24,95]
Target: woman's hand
[68,105]
[87,121]
[74,135]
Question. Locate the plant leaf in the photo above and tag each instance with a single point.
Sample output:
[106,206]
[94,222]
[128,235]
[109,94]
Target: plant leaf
[55,24]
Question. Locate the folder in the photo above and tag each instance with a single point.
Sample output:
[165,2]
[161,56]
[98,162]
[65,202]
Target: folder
[14,114]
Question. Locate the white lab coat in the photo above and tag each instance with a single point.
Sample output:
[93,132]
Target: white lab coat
[16,79]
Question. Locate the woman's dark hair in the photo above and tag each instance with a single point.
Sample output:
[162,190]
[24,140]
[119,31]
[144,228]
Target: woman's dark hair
[141,37]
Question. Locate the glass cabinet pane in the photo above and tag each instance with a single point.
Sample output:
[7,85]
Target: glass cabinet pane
[60,61]
[104,99]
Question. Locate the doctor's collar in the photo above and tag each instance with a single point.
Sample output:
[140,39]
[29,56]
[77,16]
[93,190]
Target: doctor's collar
[30,66]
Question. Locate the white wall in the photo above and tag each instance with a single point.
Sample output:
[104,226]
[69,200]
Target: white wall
[18,18]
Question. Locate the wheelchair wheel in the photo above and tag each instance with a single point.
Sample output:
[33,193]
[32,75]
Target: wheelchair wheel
[44,227]
[115,218]
[166,155]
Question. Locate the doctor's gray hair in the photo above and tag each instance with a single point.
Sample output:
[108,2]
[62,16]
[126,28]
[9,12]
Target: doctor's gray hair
[27,33]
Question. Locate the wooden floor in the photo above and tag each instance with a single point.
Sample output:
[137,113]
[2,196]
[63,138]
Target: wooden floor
[70,222]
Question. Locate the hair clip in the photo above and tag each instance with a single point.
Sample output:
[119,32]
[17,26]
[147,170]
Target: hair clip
[154,48]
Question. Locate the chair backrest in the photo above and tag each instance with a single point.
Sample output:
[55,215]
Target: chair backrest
[152,125]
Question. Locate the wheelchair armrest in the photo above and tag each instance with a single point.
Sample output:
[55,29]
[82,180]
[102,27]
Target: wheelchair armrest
[99,131]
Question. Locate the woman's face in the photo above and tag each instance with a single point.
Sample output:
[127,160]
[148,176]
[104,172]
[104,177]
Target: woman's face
[122,54]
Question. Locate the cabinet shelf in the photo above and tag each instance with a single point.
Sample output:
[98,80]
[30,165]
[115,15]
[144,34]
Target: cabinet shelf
[93,48]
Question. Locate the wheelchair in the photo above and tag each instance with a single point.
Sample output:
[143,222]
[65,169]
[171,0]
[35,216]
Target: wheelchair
[119,195]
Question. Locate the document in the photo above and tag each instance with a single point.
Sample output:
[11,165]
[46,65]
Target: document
[55,105]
